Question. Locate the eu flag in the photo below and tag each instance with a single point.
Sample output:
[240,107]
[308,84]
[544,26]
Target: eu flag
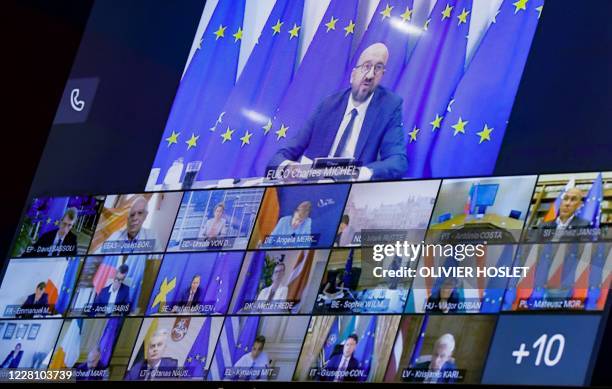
[107,340]
[196,360]
[365,348]
[70,277]
[207,82]
[472,132]
[591,208]
[258,91]
[430,77]
[222,280]
[319,75]
[250,287]
[496,286]
[330,343]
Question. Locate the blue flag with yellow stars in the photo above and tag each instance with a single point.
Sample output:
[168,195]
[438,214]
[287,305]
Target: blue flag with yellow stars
[591,207]
[208,80]
[365,347]
[472,132]
[493,294]
[196,360]
[430,77]
[256,96]
[70,277]
[319,75]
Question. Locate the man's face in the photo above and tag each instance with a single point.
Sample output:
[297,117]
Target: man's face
[570,202]
[39,292]
[218,212]
[118,280]
[138,214]
[366,76]
[18,348]
[92,359]
[278,273]
[156,348]
[65,225]
[257,349]
[349,347]
[195,283]
[439,357]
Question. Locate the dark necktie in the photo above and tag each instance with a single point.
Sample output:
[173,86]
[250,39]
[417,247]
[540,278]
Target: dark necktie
[346,134]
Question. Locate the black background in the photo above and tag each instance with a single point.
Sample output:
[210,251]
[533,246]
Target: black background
[561,121]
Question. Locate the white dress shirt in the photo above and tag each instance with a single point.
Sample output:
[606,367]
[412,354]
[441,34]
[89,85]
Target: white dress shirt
[351,143]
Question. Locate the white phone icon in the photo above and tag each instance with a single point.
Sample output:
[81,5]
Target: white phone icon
[75,103]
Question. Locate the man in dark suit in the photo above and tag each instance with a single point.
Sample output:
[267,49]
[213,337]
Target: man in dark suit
[90,370]
[155,365]
[363,122]
[344,363]
[60,241]
[567,219]
[116,294]
[34,302]
[441,360]
[12,359]
[191,295]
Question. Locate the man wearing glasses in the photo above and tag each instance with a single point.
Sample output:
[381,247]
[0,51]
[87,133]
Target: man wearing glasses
[115,298]
[60,241]
[363,122]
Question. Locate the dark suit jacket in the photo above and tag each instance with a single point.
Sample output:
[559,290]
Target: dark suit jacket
[166,364]
[123,295]
[382,141]
[14,363]
[82,367]
[185,297]
[46,240]
[41,303]
[334,363]
[448,366]
[576,222]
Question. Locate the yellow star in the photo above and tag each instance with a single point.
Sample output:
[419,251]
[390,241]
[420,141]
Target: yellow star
[277,27]
[220,33]
[267,127]
[386,13]
[331,25]
[350,29]
[246,139]
[447,11]
[520,5]
[426,25]
[407,15]
[48,220]
[539,9]
[282,132]
[227,135]
[238,35]
[436,122]
[485,134]
[294,31]
[413,134]
[172,138]
[56,223]
[460,126]
[463,16]
[193,141]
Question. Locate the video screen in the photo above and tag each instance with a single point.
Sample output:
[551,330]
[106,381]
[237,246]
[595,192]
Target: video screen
[350,286]
[562,277]
[570,208]
[38,287]
[346,348]
[135,223]
[27,344]
[279,281]
[453,284]
[257,348]
[115,285]
[215,220]
[292,217]
[382,107]
[58,226]
[174,348]
[495,205]
[433,349]
[398,206]
[86,345]
[192,284]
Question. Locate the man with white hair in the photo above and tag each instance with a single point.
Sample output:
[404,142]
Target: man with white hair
[154,362]
[89,369]
[362,122]
[126,239]
[441,360]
